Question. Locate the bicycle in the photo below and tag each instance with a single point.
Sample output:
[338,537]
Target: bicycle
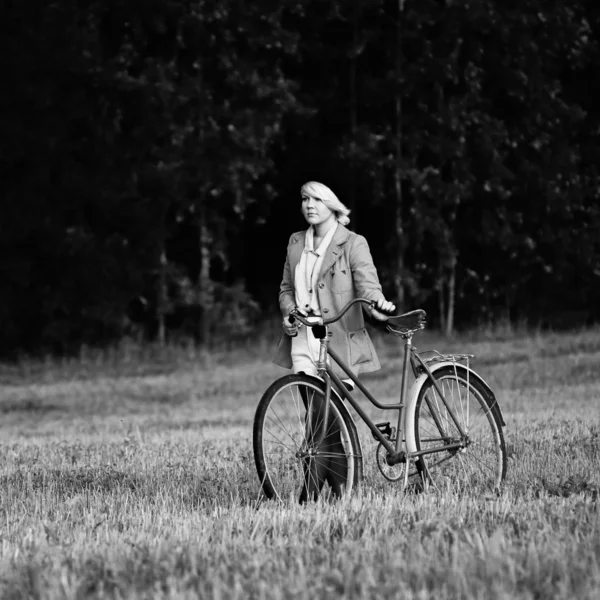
[448,426]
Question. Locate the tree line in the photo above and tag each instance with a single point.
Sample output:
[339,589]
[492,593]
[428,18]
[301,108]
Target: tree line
[153,151]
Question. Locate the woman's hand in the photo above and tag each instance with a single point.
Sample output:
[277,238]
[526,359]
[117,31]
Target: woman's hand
[385,307]
[290,328]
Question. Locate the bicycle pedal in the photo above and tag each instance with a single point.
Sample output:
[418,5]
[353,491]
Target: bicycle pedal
[386,430]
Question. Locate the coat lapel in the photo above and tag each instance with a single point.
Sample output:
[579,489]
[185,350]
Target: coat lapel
[296,251]
[335,249]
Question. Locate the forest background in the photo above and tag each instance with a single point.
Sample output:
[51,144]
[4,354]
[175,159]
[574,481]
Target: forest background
[152,153]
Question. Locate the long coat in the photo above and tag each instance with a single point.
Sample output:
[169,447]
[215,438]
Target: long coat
[347,272]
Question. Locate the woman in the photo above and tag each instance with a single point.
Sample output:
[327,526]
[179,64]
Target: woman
[326,267]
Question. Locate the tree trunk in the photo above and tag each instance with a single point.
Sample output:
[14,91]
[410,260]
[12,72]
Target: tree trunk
[353,117]
[205,287]
[399,222]
[161,308]
[441,299]
[451,296]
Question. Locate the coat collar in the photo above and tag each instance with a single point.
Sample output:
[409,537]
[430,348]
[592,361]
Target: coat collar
[333,252]
[340,237]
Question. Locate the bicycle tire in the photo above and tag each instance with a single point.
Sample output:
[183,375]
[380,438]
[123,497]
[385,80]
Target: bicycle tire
[283,439]
[481,464]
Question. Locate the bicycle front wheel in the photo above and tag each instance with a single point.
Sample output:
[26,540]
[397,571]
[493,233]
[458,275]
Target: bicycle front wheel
[291,463]
[472,460]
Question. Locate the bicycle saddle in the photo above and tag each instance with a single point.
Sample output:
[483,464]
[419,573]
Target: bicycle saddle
[403,324]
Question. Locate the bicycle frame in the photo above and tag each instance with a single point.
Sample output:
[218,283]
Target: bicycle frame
[396,453]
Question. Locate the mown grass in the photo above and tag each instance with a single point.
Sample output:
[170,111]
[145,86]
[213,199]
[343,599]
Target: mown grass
[130,478]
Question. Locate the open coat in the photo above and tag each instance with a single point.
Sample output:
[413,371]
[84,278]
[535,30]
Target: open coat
[347,272]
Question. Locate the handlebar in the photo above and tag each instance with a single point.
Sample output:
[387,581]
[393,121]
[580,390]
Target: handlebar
[401,325]
[294,314]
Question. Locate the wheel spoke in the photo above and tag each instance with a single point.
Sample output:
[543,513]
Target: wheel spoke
[472,457]
[296,405]
[280,442]
[280,425]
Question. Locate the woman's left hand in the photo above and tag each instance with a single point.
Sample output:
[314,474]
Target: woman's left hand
[385,307]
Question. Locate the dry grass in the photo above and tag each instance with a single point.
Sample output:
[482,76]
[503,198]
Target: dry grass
[122,478]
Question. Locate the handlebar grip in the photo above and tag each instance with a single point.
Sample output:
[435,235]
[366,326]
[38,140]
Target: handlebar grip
[291,319]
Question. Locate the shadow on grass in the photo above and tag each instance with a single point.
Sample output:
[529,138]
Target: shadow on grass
[29,406]
[571,486]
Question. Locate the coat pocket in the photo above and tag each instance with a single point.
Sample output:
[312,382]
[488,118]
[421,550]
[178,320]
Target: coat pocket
[340,276]
[283,352]
[360,347]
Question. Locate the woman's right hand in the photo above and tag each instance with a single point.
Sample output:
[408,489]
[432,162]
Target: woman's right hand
[290,328]
[382,309]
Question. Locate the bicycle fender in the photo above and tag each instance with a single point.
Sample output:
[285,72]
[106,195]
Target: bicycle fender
[413,394]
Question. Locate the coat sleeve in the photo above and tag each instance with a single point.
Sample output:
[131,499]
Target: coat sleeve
[364,273]
[287,296]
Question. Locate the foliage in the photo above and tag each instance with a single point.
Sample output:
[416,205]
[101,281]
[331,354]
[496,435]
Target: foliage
[143,139]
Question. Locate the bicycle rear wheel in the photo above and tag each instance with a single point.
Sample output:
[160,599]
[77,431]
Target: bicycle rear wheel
[286,427]
[480,461]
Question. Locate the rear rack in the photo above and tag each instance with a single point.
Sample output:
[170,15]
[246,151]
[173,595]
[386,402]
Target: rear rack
[439,357]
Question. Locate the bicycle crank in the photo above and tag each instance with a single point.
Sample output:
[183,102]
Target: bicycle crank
[394,471]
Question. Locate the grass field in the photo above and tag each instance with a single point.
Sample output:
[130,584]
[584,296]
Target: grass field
[129,476]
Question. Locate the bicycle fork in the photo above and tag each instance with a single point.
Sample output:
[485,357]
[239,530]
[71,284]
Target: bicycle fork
[324,409]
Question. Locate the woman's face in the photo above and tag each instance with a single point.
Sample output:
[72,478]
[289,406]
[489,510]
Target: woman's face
[314,210]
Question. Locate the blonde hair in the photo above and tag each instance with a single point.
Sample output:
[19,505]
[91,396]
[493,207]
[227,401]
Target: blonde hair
[328,198]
